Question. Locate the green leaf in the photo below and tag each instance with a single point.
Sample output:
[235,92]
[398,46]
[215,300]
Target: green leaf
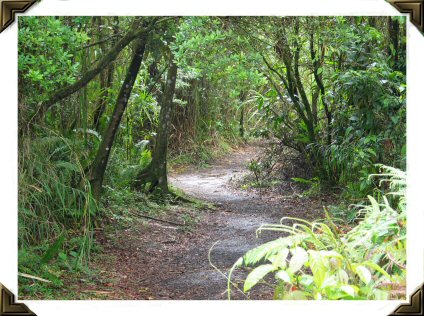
[53,249]
[63,256]
[374,203]
[348,290]
[329,282]
[377,268]
[264,251]
[67,165]
[299,258]
[283,275]
[395,119]
[403,151]
[364,274]
[317,265]
[343,276]
[279,260]
[295,295]
[306,280]
[256,275]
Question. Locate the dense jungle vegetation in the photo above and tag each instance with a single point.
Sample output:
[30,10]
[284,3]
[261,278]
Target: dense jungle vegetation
[109,105]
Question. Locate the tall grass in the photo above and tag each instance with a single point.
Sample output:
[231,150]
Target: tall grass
[54,193]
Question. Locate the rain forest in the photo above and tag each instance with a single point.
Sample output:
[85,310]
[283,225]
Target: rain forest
[213,158]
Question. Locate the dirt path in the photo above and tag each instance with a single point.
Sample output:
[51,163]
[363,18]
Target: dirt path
[233,226]
[162,263]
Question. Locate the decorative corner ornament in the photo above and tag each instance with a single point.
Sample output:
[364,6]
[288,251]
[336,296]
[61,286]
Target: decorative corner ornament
[415,306]
[8,9]
[8,307]
[415,8]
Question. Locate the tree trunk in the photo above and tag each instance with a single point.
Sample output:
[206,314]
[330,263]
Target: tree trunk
[242,121]
[156,173]
[393,26]
[98,167]
[320,84]
[242,99]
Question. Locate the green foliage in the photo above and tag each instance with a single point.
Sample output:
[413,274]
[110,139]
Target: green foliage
[348,116]
[56,275]
[370,130]
[53,250]
[318,261]
[210,57]
[314,185]
[256,168]
[46,50]
[230,86]
[54,193]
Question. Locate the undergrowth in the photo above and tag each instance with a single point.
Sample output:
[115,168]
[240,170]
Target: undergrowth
[56,209]
[318,260]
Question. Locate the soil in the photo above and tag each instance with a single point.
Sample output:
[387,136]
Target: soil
[153,260]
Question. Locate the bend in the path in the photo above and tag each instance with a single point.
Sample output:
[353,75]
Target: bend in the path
[156,262]
[234,225]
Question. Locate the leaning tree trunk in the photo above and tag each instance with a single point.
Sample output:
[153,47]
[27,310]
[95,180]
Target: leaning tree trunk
[156,172]
[99,164]
[138,28]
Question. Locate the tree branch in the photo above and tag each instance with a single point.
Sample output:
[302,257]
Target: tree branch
[318,79]
[299,83]
[282,100]
[136,30]
[291,94]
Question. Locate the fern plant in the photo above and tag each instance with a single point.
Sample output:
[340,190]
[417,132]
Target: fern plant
[315,260]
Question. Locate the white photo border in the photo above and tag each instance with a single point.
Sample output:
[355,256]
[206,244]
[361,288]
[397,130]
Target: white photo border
[8,156]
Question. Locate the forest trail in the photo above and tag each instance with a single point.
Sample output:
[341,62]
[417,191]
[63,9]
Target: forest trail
[96,129]
[164,263]
[233,226]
